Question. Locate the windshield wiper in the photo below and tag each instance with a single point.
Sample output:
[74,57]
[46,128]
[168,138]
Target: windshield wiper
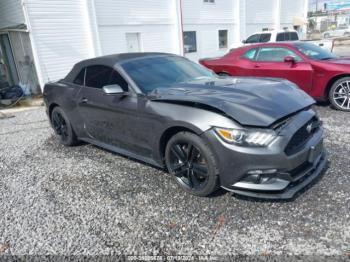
[327,58]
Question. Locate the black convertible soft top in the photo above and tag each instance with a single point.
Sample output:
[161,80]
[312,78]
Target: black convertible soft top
[108,60]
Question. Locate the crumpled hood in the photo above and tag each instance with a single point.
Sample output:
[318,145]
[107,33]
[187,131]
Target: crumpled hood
[249,101]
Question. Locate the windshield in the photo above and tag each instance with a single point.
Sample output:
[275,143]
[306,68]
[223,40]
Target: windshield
[163,71]
[314,52]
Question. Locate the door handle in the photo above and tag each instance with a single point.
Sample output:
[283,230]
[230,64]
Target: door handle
[256,66]
[84,100]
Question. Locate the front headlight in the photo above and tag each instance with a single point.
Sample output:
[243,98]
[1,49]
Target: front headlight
[246,137]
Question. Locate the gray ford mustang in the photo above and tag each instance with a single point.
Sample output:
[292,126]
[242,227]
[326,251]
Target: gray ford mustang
[253,136]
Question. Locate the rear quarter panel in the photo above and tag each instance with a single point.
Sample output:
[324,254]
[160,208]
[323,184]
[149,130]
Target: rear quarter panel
[323,74]
[220,65]
[230,63]
[64,95]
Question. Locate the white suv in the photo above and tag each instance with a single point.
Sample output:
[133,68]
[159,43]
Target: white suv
[266,36]
[272,36]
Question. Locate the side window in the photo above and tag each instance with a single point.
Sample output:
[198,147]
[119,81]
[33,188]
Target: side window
[281,37]
[253,39]
[293,36]
[97,76]
[117,79]
[250,54]
[223,39]
[190,41]
[79,80]
[275,54]
[264,38]
[287,36]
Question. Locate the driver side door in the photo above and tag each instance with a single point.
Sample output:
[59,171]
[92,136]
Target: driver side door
[110,118]
[269,62]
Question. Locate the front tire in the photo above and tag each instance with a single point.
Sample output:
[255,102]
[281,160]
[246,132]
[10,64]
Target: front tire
[62,127]
[192,164]
[339,94]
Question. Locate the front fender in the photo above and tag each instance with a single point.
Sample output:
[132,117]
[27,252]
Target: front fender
[176,117]
[195,118]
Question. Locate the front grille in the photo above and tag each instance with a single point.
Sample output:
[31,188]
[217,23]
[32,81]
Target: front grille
[300,138]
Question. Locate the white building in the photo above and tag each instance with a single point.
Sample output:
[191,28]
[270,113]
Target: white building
[55,34]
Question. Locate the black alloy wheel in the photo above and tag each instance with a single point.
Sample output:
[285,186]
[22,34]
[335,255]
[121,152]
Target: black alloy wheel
[62,127]
[59,125]
[192,164]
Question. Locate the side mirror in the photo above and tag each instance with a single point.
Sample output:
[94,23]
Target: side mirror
[113,90]
[289,59]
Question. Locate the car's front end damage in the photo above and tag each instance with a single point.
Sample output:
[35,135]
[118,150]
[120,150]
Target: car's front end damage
[272,146]
[293,157]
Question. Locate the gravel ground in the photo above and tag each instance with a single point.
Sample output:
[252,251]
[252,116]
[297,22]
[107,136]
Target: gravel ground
[86,201]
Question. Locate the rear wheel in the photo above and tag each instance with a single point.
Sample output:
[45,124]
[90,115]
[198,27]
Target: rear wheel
[339,94]
[62,127]
[192,164]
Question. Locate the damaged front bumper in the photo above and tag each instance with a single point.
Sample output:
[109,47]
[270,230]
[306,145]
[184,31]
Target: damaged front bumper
[271,172]
[282,185]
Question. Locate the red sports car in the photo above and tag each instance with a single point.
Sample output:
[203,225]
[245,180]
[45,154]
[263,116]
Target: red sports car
[318,72]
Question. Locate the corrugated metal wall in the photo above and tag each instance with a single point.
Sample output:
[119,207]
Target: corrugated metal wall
[263,15]
[207,19]
[66,31]
[289,10]
[198,12]
[61,33]
[268,14]
[242,17]
[154,20]
[208,40]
